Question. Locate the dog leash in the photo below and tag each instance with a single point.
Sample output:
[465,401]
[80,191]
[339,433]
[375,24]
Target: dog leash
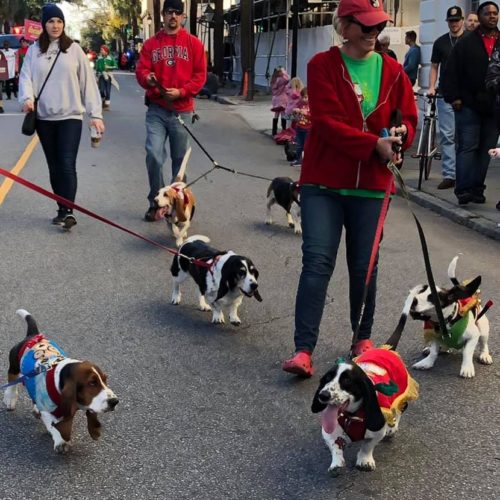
[216,165]
[26,376]
[38,189]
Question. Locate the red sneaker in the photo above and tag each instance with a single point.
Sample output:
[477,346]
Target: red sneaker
[362,346]
[300,364]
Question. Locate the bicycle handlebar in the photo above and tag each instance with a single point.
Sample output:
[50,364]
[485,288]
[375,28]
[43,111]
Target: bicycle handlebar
[426,95]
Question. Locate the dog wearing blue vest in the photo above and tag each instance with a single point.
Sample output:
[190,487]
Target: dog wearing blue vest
[57,385]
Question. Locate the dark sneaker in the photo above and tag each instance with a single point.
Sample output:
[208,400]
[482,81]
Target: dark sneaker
[59,219]
[464,198]
[498,205]
[69,221]
[478,198]
[1,110]
[446,184]
[300,364]
[150,215]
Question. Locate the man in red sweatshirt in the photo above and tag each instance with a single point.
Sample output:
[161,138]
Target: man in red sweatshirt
[176,60]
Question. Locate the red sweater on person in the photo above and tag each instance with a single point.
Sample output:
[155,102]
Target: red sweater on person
[340,148]
[178,61]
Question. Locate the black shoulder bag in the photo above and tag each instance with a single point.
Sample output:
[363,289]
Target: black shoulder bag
[29,122]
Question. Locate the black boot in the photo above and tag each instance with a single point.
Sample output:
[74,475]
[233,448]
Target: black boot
[283,124]
[275,126]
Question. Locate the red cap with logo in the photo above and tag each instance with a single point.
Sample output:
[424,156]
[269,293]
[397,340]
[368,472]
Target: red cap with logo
[367,12]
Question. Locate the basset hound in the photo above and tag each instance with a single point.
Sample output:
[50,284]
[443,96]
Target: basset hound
[177,204]
[57,385]
[285,192]
[465,320]
[223,278]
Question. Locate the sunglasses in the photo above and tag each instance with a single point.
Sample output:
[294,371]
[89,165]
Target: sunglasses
[368,29]
[171,12]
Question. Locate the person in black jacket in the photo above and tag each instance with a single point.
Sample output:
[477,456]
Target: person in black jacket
[463,86]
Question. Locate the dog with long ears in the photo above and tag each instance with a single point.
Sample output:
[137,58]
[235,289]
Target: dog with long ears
[285,192]
[465,320]
[223,278]
[57,385]
[177,203]
[363,400]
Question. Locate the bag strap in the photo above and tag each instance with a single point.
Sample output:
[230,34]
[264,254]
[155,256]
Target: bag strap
[47,77]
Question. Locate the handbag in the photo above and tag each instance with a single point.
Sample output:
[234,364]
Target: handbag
[29,122]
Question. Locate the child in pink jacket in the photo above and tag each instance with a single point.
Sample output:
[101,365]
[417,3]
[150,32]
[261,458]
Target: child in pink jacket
[279,82]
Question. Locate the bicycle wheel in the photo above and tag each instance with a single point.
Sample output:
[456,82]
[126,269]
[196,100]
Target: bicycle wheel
[431,149]
[424,153]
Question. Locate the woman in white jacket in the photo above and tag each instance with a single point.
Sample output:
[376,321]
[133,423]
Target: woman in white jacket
[71,92]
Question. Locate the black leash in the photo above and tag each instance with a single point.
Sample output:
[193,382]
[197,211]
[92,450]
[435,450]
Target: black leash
[216,165]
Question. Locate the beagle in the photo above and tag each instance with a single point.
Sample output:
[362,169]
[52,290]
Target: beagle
[465,320]
[223,278]
[285,193]
[57,385]
[176,203]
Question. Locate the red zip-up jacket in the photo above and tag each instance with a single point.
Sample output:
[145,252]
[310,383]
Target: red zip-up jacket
[340,147]
[178,61]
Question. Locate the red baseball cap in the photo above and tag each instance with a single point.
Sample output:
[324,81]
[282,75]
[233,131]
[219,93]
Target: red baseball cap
[367,12]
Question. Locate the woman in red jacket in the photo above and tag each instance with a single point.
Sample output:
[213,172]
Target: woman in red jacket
[353,91]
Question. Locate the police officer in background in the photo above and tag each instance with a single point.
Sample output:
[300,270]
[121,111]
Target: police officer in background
[440,52]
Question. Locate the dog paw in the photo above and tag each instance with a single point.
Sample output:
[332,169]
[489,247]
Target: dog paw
[235,321]
[335,470]
[218,318]
[176,299]
[205,307]
[298,230]
[485,359]
[366,465]
[10,402]
[291,225]
[423,365]
[467,371]
[95,433]
[178,242]
[268,222]
[62,447]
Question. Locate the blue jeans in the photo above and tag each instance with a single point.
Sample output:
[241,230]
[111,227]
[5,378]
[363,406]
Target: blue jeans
[324,214]
[105,88]
[60,142]
[476,134]
[446,122]
[162,124]
[300,138]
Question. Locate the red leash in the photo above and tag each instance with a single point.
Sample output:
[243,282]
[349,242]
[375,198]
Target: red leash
[373,256]
[74,206]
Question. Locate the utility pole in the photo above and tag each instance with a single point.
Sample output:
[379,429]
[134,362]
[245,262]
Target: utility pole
[219,39]
[156,15]
[247,48]
[295,35]
[193,17]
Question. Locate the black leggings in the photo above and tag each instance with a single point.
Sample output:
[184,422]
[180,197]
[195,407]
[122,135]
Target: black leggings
[60,141]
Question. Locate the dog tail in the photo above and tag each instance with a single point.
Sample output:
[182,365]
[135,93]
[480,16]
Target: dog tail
[452,271]
[32,326]
[393,341]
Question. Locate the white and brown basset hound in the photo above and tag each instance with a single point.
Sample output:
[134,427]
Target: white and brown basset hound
[177,204]
[61,388]
[223,278]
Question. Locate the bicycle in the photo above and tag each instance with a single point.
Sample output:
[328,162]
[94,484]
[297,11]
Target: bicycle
[427,149]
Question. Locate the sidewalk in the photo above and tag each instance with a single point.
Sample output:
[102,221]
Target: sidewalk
[484,219]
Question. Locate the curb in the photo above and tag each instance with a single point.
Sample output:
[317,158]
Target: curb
[225,100]
[456,214]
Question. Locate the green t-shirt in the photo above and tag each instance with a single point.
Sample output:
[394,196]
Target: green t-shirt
[366,76]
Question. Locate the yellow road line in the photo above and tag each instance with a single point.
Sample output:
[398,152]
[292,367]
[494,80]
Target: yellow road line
[7,183]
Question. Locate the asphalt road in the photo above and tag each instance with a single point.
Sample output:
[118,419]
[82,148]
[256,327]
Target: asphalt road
[205,411]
